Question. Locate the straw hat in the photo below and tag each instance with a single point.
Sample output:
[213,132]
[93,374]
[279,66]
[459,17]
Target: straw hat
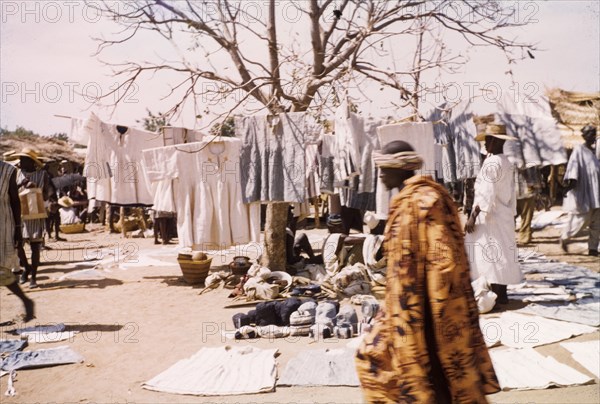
[27,152]
[496,130]
[65,202]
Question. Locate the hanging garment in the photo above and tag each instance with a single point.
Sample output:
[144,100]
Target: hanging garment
[178,135]
[421,137]
[113,162]
[350,141]
[163,202]
[491,247]
[368,171]
[208,194]
[273,156]
[327,165]
[531,122]
[462,132]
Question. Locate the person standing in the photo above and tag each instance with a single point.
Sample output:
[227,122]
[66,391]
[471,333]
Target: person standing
[426,346]
[10,235]
[528,187]
[32,176]
[582,199]
[490,238]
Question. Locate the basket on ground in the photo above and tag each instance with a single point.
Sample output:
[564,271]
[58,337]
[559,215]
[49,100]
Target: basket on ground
[72,228]
[194,272]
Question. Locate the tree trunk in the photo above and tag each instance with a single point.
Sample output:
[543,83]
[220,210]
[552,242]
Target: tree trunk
[276,222]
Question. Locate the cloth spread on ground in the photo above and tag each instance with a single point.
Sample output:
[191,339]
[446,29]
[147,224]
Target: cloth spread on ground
[43,337]
[577,280]
[220,371]
[587,354]
[210,211]
[534,291]
[40,358]
[582,312]
[12,345]
[526,369]
[41,328]
[542,219]
[522,331]
[321,367]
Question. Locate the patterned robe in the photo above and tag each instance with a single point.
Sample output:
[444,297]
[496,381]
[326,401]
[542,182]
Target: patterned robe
[428,347]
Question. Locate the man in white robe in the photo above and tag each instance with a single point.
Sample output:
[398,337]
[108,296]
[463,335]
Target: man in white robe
[582,200]
[490,238]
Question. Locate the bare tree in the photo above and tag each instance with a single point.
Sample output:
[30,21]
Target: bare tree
[246,51]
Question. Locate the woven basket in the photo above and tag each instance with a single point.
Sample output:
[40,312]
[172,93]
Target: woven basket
[72,228]
[194,272]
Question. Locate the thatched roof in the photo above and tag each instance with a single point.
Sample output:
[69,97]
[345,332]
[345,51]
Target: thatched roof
[47,147]
[572,111]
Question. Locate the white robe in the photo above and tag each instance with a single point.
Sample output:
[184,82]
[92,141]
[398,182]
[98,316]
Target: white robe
[491,248]
[583,167]
[208,194]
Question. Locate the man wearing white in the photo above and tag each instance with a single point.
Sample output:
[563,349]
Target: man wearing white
[490,238]
[68,214]
[582,201]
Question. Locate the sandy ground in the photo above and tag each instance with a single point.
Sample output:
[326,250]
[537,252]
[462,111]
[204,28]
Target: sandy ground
[139,321]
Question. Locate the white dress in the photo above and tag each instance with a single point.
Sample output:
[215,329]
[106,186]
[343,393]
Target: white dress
[491,248]
[208,193]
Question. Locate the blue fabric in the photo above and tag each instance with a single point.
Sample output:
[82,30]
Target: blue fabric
[12,345]
[40,358]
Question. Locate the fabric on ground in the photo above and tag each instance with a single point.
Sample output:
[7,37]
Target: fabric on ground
[321,367]
[12,345]
[40,358]
[575,279]
[522,331]
[543,219]
[83,275]
[582,312]
[532,291]
[41,328]
[526,369]
[44,337]
[587,354]
[219,371]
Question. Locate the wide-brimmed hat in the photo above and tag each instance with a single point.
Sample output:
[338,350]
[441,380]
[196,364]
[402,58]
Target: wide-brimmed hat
[496,130]
[27,152]
[65,202]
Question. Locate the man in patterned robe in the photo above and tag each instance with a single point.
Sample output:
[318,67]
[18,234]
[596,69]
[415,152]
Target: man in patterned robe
[427,346]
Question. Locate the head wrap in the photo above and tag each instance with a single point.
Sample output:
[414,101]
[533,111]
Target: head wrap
[406,160]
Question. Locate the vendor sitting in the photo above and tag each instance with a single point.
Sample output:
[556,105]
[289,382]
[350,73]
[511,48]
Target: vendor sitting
[68,213]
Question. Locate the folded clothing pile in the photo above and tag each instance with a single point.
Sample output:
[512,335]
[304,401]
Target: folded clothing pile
[292,317]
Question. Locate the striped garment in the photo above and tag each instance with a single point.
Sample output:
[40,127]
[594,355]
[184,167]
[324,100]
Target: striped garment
[7,248]
[33,230]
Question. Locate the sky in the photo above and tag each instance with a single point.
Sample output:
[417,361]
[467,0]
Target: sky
[48,66]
